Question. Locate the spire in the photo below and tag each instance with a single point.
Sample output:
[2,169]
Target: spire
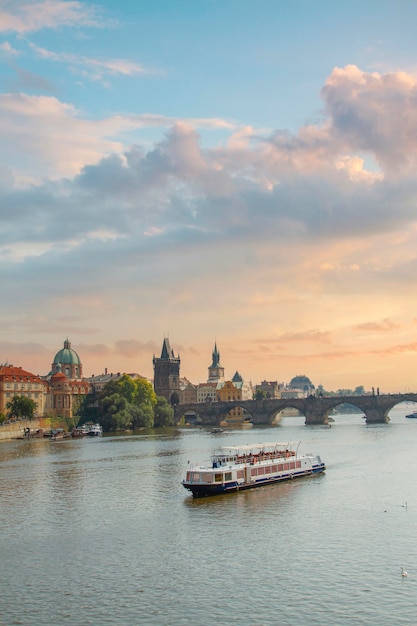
[167,351]
[215,357]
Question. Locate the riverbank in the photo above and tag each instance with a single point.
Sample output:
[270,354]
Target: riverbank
[16,430]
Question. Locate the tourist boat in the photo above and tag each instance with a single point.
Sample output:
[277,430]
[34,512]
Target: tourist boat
[412,415]
[248,466]
[95,430]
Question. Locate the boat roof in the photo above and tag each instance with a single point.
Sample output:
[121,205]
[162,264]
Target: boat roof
[257,446]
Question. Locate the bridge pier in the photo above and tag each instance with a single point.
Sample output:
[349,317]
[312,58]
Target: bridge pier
[376,415]
[313,419]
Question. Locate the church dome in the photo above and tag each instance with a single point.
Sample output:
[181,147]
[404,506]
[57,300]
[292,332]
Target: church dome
[67,356]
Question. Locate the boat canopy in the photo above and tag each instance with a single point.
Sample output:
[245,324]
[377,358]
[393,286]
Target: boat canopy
[257,446]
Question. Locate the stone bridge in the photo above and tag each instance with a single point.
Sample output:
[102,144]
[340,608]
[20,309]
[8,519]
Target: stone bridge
[316,409]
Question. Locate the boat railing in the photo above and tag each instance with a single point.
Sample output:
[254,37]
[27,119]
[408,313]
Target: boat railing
[251,459]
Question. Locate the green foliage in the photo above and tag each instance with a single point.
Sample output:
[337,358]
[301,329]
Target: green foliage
[358,391]
[260,394]
[85,409]
[127,403]
[3,417]
[164,413]
[21,407]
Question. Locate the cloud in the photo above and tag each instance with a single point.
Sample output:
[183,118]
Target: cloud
[7,49]
[378,327]
[374,113]
[269,224]
[23,17]
[93,68]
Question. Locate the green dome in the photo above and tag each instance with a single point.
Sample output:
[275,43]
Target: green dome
[67,356]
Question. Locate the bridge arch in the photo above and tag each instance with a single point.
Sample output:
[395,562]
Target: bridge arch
[276,415]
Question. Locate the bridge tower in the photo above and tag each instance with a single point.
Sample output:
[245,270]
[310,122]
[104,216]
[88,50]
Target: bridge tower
[166,381]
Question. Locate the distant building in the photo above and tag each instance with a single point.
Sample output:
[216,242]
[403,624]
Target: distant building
[245,387]
[97,382]
[302,382]
[66,384]
[207,392]
[188,392]
[167,374]
[15,381]
[272,389]
[215,370]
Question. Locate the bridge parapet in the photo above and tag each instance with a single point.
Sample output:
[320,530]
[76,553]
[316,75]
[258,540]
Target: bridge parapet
[316,409]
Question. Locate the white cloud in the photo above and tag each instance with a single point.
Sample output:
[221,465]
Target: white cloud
[7,49]
[374,113]
[95,68]
[24,17]
[267,224]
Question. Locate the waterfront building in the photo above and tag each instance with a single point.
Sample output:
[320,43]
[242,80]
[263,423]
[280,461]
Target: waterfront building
[66,385]
[64,394]
[67,362]
[15,381]
[167,374]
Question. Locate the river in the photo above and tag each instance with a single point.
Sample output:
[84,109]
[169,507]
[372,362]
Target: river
[100,531]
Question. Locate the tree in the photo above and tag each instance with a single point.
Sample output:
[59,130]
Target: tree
[115,412]
[164,413]
[260,394]
[21,407]
[127,403]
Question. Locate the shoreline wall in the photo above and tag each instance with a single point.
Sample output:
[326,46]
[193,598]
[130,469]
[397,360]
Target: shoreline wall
[15,430]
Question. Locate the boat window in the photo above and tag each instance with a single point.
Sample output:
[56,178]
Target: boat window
[228,476]
[218,478]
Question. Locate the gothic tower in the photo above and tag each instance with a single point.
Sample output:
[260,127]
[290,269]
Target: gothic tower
[166,380]
[215,371]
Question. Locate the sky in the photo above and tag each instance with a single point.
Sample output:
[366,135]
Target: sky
[221,171]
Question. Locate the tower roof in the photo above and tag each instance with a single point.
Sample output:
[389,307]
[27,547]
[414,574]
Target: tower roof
[237,378]
[215,357]
[167,352]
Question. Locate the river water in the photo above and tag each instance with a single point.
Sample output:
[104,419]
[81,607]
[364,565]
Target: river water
[100,531]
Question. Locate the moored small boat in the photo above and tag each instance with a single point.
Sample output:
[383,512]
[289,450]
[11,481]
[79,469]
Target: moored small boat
[245,467]
[412,415]
[95,430]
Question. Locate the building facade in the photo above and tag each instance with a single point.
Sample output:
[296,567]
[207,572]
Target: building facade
[15,381]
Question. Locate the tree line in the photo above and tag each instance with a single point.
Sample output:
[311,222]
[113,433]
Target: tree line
[123,404]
